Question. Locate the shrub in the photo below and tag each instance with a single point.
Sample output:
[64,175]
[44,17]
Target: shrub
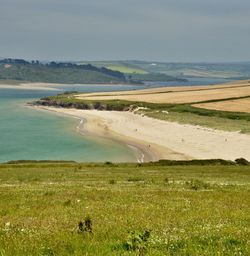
[86,226]
[134,179]
[108,163]
[137,241]
[166,180]
[197,184]
[242,161]
[67,203]
[112,182]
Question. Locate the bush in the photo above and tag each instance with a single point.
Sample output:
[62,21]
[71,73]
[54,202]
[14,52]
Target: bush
[137,241]
[67,203]
[242,161]
[112,182]
[197,184]
[85,226]
[134,179]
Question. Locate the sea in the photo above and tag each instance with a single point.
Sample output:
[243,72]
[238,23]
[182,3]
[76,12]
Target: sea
[30,134]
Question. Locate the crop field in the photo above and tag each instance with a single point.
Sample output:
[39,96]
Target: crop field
[238,105]
[177,95]
[125,209]
[210,73]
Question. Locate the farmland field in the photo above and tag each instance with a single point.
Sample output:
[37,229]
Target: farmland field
[238,105]
[178,95]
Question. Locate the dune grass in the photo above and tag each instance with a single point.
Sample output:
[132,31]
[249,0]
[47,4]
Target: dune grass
[151,209]
[214,122]
[187,114]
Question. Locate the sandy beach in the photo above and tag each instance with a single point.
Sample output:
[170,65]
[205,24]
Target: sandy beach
[158,139]
[31,86]
[50,86]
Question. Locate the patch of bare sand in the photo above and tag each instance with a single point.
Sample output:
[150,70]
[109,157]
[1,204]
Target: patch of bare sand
[50,86]
[165,140]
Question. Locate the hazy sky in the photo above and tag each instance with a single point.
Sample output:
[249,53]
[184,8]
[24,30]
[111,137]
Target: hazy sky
[160,30]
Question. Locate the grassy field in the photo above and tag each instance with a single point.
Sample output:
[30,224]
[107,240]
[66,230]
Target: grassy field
[219,70]
[134,72]
[205,121]
[121,66]
[125,209]
[186,114]
[126,69]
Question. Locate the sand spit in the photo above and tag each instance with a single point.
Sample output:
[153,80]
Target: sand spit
[52,86]
[31,86]
[160,139]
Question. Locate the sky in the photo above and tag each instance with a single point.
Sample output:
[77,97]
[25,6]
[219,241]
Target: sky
[156,30]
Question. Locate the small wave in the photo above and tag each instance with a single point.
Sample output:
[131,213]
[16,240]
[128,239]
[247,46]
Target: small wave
[140,158]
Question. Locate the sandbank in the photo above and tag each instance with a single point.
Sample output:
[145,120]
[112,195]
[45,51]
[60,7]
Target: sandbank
[53,86]
[31,86]
[159,139]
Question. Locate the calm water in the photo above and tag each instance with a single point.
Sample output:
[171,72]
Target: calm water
[30,134]
[36,135]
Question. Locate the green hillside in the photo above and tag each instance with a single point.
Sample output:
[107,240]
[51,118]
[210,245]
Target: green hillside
[234,70]
[20,70]
[122,66]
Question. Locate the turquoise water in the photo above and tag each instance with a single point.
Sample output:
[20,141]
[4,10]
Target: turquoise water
[36,135]
[28,134]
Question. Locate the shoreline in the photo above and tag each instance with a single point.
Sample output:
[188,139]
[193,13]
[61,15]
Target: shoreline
[158,139]
[54,86]
[140,151]
[96,127]
[85,128]
[30,86]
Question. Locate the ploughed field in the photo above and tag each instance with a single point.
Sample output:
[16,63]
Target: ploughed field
[125,209]
[178,95]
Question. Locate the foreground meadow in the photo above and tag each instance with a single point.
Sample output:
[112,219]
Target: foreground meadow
[125,209]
